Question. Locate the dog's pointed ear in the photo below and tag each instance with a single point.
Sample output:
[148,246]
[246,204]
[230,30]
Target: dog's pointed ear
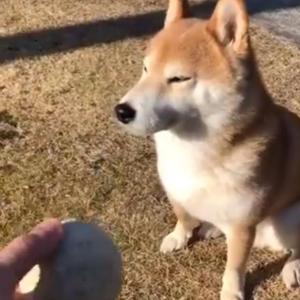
[177,10]
[229,24]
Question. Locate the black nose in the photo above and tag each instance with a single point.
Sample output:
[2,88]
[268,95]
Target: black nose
[125,113]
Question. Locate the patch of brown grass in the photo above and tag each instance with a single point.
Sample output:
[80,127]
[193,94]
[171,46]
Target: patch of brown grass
[69,158]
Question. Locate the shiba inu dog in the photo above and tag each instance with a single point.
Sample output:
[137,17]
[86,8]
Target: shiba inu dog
[226,153]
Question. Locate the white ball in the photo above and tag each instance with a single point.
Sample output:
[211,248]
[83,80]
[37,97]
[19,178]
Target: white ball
[87,266]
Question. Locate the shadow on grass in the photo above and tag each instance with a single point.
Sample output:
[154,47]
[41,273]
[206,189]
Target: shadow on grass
[61,39]
[258,6]
[256,277]
[8,127]
[262,274]
[67,38]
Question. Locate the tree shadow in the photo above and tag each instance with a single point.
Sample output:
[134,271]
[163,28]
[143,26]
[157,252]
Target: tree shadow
[62,39]
[67,38]
[258,6]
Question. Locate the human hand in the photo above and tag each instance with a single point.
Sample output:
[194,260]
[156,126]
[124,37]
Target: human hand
[19,256]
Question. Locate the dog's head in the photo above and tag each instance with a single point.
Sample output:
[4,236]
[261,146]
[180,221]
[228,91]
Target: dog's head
[192,72]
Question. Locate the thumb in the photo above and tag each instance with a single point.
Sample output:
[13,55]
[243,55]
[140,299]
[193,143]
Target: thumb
[23,297]
[26,251]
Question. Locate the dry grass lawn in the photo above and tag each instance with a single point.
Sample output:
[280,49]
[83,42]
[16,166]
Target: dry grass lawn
[62,155]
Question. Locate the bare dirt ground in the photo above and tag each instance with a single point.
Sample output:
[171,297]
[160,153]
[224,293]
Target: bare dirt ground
[63,65]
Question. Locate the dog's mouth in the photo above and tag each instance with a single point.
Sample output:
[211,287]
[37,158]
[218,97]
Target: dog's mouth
[143,122]
[147,128]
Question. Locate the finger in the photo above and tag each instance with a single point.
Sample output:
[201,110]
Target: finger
[19,296]
[26,251]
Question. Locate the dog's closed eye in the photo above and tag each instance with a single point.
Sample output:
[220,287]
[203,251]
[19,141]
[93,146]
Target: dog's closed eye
[178,79]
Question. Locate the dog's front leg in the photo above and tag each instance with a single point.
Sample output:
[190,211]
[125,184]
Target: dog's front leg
[182,232]
[239,242]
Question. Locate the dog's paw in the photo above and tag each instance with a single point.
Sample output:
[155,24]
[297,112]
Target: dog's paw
[230,295]
[208,231]
[174,241]
[291,274]
[233,285]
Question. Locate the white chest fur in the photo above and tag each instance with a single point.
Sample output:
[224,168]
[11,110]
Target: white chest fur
[205,188]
